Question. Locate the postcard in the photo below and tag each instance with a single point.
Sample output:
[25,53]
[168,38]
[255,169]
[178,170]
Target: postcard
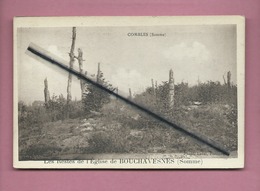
[162,92]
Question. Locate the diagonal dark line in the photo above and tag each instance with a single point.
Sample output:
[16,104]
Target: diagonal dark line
[152,114]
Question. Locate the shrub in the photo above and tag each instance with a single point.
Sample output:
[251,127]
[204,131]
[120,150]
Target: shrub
[39,151]
[95,98]
[108,142]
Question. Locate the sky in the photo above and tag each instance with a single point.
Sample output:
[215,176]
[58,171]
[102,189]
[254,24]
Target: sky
[204,52]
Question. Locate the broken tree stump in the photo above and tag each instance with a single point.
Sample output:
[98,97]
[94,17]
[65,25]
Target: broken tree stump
[46,92]
[72,59]
[171,89]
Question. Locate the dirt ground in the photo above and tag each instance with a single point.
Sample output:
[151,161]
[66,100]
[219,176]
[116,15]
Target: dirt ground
[110,136]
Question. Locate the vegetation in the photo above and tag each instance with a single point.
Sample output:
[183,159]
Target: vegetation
[56,130]
[95,98]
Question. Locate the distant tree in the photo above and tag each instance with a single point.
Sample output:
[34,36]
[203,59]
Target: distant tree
[163,96]
[22,110]
[182,94]
[95,98]
[21,106]
[158,102]
[57,107]
[207,93]
[146,99]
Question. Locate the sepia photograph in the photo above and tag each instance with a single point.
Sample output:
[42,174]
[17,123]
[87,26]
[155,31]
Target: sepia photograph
[129,92]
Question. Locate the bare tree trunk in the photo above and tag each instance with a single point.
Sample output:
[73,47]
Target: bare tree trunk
[80,60]
[72,59]
[224,80]
[229,79]
[84,88]
[98,73]
[153,89]
[156,88]
[171,89]
[46,92]
[130,94]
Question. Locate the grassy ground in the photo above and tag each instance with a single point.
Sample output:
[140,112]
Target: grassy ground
[120,129]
